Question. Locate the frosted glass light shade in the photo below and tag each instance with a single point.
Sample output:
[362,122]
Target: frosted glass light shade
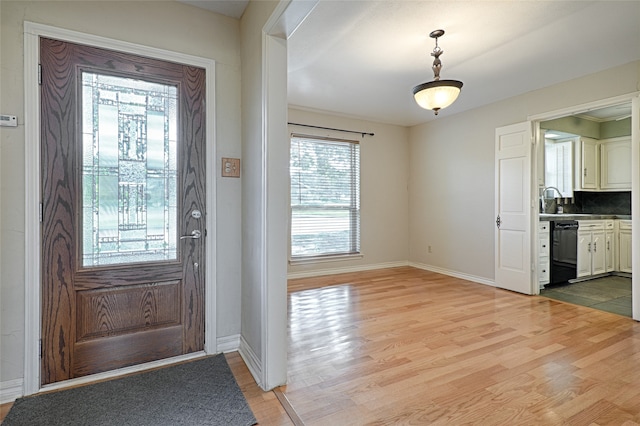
[437,94]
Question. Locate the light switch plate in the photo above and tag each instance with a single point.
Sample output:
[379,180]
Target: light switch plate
[230,167]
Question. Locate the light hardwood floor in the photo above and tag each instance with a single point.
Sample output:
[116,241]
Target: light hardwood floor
[406,346]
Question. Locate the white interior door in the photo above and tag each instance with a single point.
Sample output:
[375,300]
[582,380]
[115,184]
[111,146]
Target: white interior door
[513,270]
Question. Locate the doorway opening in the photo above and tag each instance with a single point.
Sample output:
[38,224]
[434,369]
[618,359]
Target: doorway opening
[584,178]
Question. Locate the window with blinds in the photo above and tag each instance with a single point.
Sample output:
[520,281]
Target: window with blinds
[325,197]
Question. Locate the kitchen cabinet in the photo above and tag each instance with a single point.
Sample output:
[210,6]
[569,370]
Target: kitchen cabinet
[587,174]
[544,259]
[603,165]
[624,250]
[591,248]
[615,164]
[610,246]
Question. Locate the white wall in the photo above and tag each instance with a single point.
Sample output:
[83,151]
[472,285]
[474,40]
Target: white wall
[384,201]
[265,154]
[451,184]
[166,25]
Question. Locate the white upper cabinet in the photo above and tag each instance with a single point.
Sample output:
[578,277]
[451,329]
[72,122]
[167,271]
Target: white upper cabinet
[615,164]
[603,165]
[587,170]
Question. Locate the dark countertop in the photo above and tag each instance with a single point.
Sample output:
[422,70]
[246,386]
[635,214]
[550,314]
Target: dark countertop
[581,216]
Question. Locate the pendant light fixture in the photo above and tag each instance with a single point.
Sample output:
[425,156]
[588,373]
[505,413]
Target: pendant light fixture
[437,94]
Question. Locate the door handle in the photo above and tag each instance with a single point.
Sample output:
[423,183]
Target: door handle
[195,234]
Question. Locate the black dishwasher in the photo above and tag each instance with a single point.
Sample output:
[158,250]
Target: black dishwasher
[564,250]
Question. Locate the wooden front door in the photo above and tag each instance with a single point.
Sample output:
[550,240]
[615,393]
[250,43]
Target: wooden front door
[123,205]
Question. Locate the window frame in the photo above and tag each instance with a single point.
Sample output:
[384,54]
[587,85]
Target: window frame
[354,209]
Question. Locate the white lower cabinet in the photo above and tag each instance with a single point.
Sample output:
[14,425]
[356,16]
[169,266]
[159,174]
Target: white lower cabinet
[544,263]
[610,246]
[603,246]
[591,248]
[624,250]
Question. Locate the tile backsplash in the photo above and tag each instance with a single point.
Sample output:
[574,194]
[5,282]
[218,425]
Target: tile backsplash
[602,202]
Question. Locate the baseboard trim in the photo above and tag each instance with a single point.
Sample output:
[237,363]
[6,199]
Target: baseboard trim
[467,277]
[10,390]
[344,270]
[228,343]
[252,361]
[622,274]
[604,274]
[334,271]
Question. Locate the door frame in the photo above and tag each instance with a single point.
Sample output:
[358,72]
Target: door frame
[634,98]
[32,33]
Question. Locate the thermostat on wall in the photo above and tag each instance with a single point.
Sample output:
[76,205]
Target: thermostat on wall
[8,120]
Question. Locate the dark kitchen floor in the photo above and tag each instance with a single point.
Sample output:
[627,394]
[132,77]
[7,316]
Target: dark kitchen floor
[610,294]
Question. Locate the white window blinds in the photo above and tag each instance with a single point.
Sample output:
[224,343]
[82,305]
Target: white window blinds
[325,197]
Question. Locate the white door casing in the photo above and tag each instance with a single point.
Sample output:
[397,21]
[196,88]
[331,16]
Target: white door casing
[634,98]
[635,201]
[513,207]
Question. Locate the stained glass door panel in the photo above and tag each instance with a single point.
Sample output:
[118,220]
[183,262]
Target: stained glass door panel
[129,170]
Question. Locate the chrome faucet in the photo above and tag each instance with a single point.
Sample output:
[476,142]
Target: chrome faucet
[542,197]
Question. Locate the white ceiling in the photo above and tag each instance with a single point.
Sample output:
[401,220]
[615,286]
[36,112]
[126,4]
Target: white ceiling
[362,58]
[232,8]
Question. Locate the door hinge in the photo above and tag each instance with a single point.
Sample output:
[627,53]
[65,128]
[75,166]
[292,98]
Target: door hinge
[40,212]
[39,74]
[40,342]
